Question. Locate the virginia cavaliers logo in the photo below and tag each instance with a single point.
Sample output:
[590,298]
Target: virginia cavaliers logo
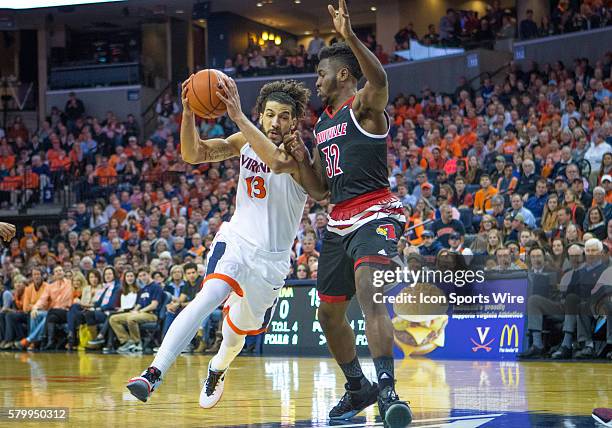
[482,335]
[386,230]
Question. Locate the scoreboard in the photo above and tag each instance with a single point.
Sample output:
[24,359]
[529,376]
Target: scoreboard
[295,327]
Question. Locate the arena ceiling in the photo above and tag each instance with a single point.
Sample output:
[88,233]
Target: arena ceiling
[296,18]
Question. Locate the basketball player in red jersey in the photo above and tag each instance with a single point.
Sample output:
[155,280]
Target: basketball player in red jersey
[350,164]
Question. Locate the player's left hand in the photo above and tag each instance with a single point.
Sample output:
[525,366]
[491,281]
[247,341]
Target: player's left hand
[230,97]
[341,19]
[295,146]
[7,231]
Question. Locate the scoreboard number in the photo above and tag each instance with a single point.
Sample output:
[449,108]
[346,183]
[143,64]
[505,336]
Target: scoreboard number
[295,328]
[283,309]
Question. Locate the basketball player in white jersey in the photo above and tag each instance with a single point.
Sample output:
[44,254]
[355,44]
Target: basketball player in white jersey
[250,255]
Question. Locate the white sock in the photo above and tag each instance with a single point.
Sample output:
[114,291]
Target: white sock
[231,346]
[186,324]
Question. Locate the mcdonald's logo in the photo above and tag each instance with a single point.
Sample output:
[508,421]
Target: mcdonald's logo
[508,332]
[510,375]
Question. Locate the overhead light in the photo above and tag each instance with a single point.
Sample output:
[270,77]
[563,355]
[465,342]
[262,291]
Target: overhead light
[261,42]
[373,8]
[297,1]
[271,36]
[179,11]
[306,32]
[259,4]
[277,40]
[201,21]
[264,36]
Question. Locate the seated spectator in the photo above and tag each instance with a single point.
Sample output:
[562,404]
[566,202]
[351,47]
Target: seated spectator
[125,325]
[430,247]
[504,260]
[518,208]
[446,225]
[56,298]
[482,199]
[595,223]
[175,286]
[129,291]
[16,318]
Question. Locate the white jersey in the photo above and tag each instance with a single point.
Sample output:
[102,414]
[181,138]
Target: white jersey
[269,206]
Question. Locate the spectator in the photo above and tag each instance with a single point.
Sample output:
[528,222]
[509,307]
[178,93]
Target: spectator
[145,310]
[166,108]
[314,47]
[13,319]
[432,37]
[482,199]
[528,27]
[447,27]
[175,286]
[518,208]
[446,225]
[56,298]
[129,291]
[32,294]
[74,109]
[508,29]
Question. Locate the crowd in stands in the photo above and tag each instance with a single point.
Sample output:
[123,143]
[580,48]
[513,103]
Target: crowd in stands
[462,28]
[512,176]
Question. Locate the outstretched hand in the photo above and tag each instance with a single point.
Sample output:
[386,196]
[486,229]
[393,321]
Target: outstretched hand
[341,19]
[228,93]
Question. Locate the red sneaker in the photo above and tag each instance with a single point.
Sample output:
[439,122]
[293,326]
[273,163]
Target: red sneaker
[603,416]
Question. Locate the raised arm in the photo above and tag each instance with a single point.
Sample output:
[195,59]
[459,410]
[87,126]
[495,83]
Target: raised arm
[310,171]
[374,96]
[194,150]
[277,159]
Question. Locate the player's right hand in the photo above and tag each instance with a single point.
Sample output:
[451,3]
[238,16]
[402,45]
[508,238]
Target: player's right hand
[184,90]
[7,231]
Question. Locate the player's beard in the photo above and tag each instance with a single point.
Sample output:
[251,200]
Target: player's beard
[328,93]
[276,138]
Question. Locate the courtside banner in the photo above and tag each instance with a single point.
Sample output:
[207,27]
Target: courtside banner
[483,321]
[485,331]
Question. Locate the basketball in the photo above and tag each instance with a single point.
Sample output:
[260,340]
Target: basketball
[202,94]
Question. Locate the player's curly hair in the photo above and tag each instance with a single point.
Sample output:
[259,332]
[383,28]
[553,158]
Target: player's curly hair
[289,92]
[342,53]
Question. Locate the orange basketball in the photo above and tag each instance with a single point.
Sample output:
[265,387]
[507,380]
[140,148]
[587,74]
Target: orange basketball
[202,94]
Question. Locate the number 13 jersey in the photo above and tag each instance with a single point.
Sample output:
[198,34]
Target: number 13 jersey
[354,160]
[269,206]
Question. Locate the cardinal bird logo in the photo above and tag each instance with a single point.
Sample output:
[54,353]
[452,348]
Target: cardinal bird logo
[386,230]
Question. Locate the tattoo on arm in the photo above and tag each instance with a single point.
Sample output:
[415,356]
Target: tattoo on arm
[218,153]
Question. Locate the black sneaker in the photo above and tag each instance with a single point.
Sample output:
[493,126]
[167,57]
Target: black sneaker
[394,413]
[96,342]
[586,353]
[531,353]
[563,353]
[353,402]
[143,386]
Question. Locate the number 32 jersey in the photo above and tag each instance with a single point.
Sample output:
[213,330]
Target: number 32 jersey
[269,206]
[354,160]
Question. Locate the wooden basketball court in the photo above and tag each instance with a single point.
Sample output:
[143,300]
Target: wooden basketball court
[288,392]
